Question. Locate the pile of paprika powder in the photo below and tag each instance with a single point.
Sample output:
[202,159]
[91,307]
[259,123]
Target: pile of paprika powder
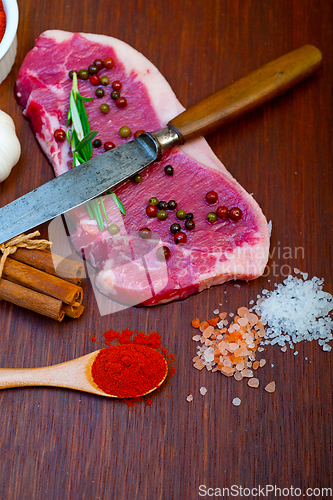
[129,370]
[2,21]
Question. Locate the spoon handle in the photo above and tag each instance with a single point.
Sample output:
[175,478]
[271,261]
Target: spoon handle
[74,374]
[22,377]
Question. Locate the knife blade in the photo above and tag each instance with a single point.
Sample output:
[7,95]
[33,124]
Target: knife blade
[100,174]
[74,187]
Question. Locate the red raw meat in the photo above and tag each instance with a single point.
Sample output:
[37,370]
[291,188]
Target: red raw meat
[126,266]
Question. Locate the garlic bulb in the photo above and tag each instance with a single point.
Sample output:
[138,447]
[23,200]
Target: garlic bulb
[10,147]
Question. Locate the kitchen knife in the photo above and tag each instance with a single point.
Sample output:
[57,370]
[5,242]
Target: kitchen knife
[100,174]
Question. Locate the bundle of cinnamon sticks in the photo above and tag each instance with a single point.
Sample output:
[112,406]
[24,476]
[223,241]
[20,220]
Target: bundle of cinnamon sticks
[43,282]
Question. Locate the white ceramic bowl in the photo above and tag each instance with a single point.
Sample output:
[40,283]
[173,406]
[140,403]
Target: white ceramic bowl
[8,45]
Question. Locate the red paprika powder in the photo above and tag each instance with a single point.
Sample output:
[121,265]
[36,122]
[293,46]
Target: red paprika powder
[129,370]
[2,21]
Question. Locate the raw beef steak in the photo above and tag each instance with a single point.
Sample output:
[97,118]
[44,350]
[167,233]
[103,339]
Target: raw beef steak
[128,268]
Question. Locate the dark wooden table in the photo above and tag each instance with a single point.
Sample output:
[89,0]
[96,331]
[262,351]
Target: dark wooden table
[62,444]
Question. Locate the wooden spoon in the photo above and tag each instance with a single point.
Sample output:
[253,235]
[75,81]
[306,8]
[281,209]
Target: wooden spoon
[74,374]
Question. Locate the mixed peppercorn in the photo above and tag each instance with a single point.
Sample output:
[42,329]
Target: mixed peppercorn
[159,209]
[222,212]
[121,102]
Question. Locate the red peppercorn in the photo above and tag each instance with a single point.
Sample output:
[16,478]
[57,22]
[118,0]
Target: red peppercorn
[235,213]
[222,212]
[151,210]
[138,132]
[117,85]
[94,80]
[108,62]
[60,135]
[121,102]
[180,238]
[109,145]
[211,197]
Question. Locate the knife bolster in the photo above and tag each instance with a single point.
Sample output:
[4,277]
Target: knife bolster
[165,139]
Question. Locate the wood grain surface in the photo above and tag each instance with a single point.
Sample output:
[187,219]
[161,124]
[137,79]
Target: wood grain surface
[62,444]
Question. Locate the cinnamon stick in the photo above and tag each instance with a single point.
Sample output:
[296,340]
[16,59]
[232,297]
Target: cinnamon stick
[73,311]
[44,260]
[29,299]
[42,282]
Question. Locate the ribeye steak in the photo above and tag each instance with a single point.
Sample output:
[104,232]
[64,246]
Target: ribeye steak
[127,267]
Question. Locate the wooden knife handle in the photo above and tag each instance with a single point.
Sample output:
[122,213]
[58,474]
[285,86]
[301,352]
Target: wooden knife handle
[248,93]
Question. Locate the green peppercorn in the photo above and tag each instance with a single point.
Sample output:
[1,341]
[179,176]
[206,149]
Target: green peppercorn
[124,132]
[71,73]
[172,205]
[162,214]
[190,225]
[104,108]
[83,74]
[113,229]
[181,214]
[211,217]
[175,228]
[137,178]
[105,80]
[153,201]
[92,69]
[99,92]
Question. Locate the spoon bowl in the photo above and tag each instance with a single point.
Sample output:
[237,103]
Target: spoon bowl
[74,374]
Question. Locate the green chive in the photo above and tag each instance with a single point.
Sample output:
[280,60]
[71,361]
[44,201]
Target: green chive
[90,212]
[117,202]
[98,214]
[104,211]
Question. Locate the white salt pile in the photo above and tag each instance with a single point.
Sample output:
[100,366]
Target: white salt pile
[298,309]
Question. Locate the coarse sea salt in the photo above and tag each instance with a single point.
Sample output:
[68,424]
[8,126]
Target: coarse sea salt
[298,309]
